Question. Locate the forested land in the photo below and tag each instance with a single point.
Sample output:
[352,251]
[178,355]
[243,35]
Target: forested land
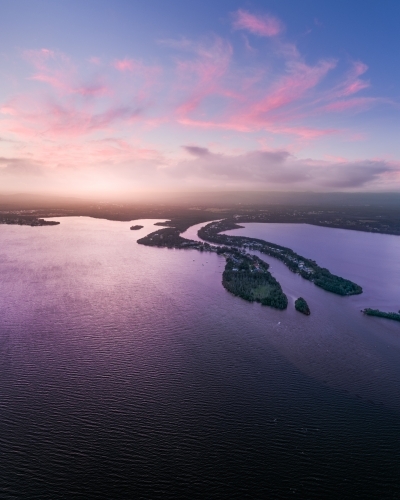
[245,275]
[307,268]
[302,306]
[248,277]
[170,238]
[26,221]
[382,314]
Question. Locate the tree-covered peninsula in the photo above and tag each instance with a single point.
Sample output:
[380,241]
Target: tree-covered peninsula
[307,268]
[26,221]
[381,314]
[170,238]
[245,275]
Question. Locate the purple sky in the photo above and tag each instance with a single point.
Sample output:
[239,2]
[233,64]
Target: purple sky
[111,98]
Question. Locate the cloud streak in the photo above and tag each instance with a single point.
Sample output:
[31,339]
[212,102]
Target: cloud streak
[266,25]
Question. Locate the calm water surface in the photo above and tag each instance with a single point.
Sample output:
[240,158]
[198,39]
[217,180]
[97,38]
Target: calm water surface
[129,372]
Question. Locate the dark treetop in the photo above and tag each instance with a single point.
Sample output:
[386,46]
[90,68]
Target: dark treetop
[302,306]
[248,277]
[381,314]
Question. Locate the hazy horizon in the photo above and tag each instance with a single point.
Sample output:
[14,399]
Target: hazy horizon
[207,199]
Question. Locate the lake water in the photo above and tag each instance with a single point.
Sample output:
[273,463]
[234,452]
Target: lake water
[130,372]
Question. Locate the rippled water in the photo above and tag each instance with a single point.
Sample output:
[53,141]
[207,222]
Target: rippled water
[129,372]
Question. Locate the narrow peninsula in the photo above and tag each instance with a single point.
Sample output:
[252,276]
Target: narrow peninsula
[26,221]
[306,268]
[381,314]
[246,275]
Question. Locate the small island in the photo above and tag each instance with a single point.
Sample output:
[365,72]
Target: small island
[302,306]
[381,314]
[136,228]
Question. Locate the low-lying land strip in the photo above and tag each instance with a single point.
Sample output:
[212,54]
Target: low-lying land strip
[26,221]
[245,275]
[380,314]
[307,268]
[348,213]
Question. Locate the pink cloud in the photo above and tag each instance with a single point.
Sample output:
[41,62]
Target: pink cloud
[265,25]
[8,109]
[307,133]
[201,76]
[337,99]
[143,78]
[359,103]
[52,68]
[289,89]
[205,89]
[70,118]
[70,106]
[57,70]
[351,84]
[112,149]
[94,89]
[272,109]
[124,64]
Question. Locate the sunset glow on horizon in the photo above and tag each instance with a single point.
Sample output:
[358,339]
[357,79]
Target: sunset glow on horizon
[121,97]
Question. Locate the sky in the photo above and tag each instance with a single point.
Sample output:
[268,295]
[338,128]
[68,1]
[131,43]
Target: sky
[111,98]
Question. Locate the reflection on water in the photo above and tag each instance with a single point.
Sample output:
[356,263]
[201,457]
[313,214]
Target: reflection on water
[129,370]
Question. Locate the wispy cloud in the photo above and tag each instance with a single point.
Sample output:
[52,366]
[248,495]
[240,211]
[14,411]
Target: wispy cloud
[207,89]
[200,75]
[264,25]
[124,64]
[57,70]
[52,119]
